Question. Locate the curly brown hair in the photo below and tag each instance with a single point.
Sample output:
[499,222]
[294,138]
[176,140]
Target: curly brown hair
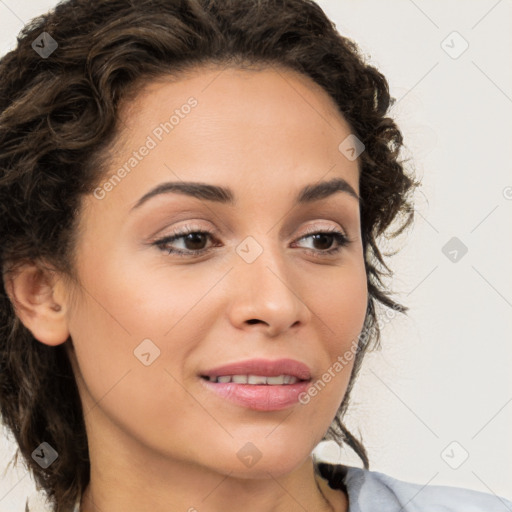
[60,114]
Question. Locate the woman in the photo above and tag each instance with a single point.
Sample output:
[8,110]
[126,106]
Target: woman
[174,335]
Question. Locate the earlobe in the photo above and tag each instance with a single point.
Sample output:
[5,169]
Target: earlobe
[38,299]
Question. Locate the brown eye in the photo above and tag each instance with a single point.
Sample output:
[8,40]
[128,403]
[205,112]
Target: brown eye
[323,241]
[193,242]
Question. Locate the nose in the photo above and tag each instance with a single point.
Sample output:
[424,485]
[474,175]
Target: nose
[265,294]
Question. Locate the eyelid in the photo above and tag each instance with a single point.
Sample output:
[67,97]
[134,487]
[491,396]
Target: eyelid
[315,228]
[190,226]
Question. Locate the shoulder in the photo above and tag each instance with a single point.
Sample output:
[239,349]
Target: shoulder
[371,490]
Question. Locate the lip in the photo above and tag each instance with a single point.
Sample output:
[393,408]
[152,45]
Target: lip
[264,367]
[255,396]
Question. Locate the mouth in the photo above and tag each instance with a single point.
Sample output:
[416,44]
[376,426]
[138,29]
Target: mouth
[258,384]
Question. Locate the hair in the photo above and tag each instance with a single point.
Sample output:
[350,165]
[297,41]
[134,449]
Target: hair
[59,116]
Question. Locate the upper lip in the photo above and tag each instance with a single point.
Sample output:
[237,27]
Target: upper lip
[263,367]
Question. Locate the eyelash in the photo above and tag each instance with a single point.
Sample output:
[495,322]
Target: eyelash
[342,239]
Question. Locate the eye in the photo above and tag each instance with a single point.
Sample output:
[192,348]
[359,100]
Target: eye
[325,238]
[193,242]
[191,238]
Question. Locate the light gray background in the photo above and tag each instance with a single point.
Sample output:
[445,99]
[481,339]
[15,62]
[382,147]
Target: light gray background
[441,387]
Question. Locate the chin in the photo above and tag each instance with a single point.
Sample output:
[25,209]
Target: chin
[259,458]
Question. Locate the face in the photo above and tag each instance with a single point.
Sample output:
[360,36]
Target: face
[265,278]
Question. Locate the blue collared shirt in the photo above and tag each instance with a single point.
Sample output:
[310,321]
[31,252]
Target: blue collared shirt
[371,491]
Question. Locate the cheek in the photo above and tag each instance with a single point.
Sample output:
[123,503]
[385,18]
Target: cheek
[133,328]
[127,371]
[340,300]
[342,307]
[339,304]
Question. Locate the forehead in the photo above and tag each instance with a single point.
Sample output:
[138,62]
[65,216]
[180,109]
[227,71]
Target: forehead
[252,99]
[232,87]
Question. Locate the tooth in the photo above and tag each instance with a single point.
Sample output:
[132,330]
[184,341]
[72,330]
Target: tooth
[256,379]
[276,380]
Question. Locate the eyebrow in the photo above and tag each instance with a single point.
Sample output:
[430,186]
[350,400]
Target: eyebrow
[225,195]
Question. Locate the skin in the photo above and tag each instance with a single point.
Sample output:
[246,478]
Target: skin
[156,435]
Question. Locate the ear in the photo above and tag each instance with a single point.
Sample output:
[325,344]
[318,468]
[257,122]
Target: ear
[38,297]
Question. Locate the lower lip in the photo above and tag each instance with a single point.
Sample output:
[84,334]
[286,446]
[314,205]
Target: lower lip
[259,397]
